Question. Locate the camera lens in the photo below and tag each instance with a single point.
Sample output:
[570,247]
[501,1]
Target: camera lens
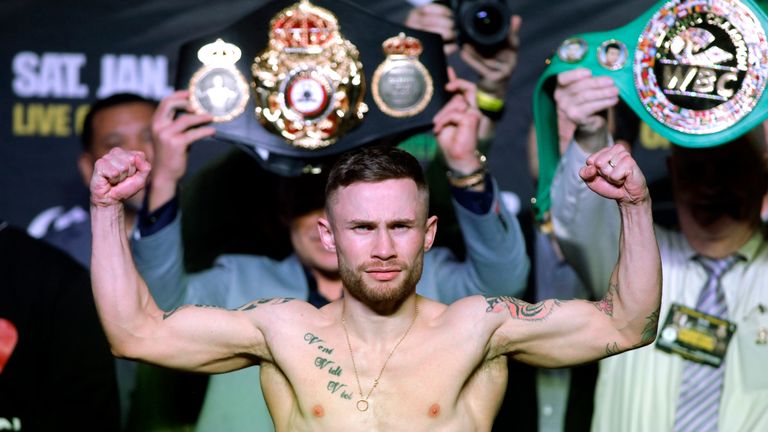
[487,21]
[483,23]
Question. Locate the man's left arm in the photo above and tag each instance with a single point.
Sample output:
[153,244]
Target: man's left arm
[555,333]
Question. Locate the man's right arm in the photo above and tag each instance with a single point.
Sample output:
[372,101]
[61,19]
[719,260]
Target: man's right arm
[194,338]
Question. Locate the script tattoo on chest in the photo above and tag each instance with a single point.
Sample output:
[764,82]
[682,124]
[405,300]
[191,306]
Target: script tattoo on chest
[324,362]
[246,307]
[521,310]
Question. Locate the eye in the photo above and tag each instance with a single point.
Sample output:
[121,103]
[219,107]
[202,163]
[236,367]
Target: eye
[362,228]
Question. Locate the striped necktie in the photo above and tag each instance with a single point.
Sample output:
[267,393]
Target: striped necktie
[699,400]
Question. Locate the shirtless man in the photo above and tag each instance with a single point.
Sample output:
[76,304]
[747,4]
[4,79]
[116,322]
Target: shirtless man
[381,358]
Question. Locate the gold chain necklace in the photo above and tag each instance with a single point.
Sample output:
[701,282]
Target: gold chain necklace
[362,403]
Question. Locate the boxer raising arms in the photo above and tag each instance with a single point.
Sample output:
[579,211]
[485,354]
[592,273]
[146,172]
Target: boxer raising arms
[381,358]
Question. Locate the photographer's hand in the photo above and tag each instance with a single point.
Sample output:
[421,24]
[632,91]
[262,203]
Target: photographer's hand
[435,18]
[495,71]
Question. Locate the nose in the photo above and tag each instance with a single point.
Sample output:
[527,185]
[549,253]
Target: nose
[384,246]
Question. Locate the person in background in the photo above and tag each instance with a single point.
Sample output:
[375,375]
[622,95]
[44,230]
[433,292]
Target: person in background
[714,264]
[56,369]
[122,120]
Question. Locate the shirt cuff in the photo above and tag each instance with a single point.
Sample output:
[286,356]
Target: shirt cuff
[477,202]
[150,223]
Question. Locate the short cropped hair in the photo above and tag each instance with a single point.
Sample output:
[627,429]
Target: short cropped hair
[374,164]
[102,104]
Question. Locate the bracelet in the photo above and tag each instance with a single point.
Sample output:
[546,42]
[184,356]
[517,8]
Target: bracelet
[489,103]
[466,182]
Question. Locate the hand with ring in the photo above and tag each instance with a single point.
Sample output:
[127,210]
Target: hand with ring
[612,173]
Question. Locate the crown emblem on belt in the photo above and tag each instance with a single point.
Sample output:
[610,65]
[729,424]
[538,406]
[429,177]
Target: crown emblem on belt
[309,82]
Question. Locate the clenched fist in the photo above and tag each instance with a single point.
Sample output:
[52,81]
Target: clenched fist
[613,173]
[117,176]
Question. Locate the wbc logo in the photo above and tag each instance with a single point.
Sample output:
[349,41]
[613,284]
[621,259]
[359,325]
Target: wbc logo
[701,65]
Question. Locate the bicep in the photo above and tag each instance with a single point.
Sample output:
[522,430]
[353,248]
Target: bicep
[555,333]
[204,338]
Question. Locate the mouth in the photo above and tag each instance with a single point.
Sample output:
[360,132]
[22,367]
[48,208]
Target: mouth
[383,274]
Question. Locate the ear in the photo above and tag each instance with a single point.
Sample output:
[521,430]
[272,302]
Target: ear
[429,236]
[326,234]
[85,166]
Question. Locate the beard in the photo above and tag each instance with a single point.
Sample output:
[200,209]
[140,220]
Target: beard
[384,297]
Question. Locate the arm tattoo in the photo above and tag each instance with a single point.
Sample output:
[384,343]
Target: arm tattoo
[246,307]
[606,304]
[611,349]
[521,310]
[649,332]
[270,301]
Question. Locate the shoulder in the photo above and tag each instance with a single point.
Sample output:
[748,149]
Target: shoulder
[285,312]
[470,309]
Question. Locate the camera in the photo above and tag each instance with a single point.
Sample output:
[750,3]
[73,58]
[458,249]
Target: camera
[483,24]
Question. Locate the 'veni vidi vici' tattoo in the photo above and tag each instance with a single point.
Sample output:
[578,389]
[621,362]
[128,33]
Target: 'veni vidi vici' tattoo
[324,362]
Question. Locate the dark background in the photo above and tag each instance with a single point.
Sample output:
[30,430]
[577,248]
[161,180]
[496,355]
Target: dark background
[38,139]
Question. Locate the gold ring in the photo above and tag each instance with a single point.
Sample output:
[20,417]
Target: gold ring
[610,162]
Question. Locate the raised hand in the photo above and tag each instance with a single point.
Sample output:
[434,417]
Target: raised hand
[173,136]
[435,18]
[613,173]
[581,104]
[117,176]
[455,126]
[494,71]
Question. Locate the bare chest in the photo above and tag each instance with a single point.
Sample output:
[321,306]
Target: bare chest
[441,385]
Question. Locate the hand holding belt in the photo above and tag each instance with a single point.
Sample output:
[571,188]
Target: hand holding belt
[693,70]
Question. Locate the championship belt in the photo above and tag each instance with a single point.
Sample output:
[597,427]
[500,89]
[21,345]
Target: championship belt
[694,70]
[310,69]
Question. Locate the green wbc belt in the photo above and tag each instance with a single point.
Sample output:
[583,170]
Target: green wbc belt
[694,70]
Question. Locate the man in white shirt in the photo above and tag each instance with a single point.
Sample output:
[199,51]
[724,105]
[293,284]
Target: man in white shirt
[718,194]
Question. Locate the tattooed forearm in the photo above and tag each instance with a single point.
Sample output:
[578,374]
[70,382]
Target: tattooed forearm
[606,304]
[521,310]
[246,307]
